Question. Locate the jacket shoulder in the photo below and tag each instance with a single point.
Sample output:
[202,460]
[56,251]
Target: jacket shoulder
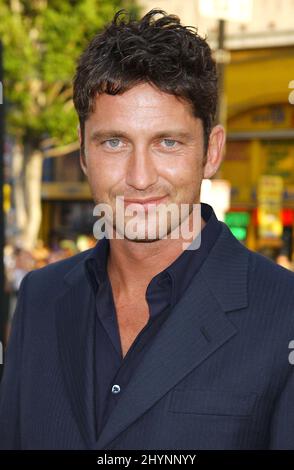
[50,278]
[267,269]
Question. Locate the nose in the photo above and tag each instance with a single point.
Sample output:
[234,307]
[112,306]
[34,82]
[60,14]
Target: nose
[141,169]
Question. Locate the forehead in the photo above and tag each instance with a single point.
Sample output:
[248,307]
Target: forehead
[143,105]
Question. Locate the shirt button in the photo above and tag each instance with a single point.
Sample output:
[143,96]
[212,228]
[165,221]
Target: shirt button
[115,389]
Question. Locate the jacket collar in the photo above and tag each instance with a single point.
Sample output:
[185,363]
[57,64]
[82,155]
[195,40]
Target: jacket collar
[222,267]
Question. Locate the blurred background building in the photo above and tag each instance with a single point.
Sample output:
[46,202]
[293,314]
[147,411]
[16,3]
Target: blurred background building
[47,204]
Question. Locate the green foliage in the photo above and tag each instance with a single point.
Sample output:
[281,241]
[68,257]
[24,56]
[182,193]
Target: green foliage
[42,41]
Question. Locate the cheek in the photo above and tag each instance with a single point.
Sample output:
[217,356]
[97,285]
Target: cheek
[184,171]
[104,175]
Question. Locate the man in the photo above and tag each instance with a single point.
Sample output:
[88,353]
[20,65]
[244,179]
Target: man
[139,343]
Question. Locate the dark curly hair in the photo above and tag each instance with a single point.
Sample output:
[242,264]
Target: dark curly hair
[157,50]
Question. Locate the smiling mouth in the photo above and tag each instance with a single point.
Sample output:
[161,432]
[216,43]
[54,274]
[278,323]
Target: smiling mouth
[145,202]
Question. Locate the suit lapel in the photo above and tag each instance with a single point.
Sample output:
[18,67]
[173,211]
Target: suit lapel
[75,316]
[195,329]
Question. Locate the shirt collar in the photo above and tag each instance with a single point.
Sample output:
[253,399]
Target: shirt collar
[175,278]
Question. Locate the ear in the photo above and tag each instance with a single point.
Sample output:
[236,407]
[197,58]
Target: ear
[83,162]
[214,151]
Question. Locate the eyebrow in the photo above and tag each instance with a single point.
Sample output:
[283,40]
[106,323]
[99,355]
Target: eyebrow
[98,135]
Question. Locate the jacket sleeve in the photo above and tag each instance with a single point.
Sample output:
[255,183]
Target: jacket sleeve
[10,384]
[282,425]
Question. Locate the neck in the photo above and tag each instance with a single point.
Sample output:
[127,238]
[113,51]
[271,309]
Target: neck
[132,265]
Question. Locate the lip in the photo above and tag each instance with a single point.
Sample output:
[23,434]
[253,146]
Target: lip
[145,202]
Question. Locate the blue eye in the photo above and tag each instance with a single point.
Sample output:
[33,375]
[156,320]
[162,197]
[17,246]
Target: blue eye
[170,143]
[113,143]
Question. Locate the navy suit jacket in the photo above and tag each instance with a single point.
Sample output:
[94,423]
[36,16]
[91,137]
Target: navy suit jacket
[217,376]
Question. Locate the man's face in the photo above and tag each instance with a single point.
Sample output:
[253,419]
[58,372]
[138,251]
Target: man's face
[143,144]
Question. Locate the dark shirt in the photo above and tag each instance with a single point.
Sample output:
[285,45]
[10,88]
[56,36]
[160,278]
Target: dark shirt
[112,370]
